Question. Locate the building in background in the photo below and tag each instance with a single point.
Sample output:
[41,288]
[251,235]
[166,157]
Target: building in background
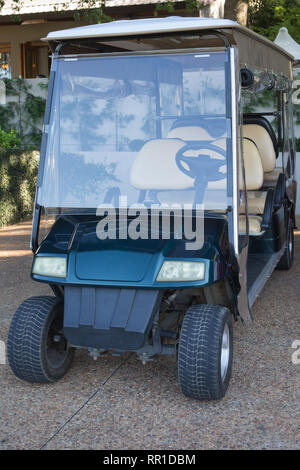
[23,54]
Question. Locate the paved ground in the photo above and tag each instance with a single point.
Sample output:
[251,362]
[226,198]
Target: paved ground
[117,403]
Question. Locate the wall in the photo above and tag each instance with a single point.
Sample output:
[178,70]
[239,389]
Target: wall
[18,34]
[22,107]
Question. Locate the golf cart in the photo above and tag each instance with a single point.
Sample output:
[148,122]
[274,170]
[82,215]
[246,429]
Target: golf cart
[165,196]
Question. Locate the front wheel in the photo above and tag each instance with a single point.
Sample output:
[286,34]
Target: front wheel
[37,350]
[205,352]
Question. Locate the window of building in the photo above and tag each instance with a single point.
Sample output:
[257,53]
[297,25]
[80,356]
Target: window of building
[35,60]
[5,63]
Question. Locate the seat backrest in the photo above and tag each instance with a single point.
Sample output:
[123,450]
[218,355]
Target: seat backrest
[155,167]
[263,122]
[261,137]
[254,172]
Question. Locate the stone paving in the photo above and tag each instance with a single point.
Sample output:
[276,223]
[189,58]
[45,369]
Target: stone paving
[118,403]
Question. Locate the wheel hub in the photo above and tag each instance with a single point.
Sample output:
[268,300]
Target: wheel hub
[225,352]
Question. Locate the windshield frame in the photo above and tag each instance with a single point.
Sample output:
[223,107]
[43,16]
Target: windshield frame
[54,76]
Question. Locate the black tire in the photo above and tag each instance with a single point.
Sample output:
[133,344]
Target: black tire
[200,373]
[286,260]
[33,354]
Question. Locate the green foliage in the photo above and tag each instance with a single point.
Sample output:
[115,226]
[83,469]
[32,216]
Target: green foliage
[20,133]
[22,114]
[192,5]
[93,15]
[91,11]
[169,7]
[10,140]
[18,173]
[255,102]
[266,17]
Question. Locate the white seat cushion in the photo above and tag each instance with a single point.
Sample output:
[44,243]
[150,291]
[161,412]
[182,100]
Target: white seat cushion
[256,202]
[254,172]
[262,139]
[252,162]
[254,225]
[155,167]
[273,175]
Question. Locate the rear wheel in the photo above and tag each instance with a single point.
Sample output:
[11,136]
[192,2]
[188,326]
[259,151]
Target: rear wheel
[286,260]
[205,352]
[37,350]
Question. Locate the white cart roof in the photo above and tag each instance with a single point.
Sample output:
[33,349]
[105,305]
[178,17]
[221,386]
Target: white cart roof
[254,50]
[143,26]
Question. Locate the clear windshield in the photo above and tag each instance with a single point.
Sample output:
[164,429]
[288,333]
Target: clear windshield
[148,129]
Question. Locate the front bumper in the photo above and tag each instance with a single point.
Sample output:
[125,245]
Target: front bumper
[109,318]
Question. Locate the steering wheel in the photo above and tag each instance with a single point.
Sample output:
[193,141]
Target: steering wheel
[202,163]
[202,168]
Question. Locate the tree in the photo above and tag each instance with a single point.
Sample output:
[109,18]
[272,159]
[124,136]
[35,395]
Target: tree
[236,10]
[94,10]
[87,10]
[266,17]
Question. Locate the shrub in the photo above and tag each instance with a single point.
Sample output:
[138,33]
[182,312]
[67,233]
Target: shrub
[18,173]
[23,111]
[10,140]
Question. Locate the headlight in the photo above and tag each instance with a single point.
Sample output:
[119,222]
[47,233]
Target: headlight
[181,271]
[50,266]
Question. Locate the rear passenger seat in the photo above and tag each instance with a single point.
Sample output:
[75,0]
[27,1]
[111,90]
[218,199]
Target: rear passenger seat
[253,168]
[258,129]
[160,154]
[190,132]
